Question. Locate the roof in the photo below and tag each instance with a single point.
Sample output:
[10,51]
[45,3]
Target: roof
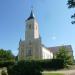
[31,16]
[56,48]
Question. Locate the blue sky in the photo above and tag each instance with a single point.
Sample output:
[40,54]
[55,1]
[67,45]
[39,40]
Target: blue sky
[53,17]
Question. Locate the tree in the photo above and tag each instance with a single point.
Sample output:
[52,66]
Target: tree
[71,4]
[25,68]
[64,54]
[16,58]
[6,55]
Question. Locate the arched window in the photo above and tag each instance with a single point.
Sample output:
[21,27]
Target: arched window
[29,52]
[30,26]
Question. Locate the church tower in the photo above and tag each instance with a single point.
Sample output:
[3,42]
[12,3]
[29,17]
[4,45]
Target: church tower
[31,47]
[32,31]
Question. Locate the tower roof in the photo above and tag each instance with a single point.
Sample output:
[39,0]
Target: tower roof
[31,16]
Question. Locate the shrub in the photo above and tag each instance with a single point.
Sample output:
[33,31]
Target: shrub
[6,63]
[51,64]
[35,67]
[25,68]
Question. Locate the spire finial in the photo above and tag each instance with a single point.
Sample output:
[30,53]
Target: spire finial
[32,8]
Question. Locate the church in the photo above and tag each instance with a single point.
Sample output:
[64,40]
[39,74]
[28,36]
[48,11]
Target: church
[31,48]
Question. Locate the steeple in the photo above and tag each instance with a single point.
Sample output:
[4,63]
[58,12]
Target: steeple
[31,16]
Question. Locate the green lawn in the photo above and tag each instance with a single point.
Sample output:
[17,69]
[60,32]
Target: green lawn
[52,74]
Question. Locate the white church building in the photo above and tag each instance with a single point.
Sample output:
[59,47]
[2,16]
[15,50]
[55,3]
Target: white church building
[31,48]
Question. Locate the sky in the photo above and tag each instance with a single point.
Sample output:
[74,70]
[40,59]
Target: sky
[53,17]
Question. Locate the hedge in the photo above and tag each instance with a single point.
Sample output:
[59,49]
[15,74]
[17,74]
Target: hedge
[25,68]
[50,64]
[6,63]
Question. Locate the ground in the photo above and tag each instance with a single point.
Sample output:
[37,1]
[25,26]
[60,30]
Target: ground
[61,72]
[53,74]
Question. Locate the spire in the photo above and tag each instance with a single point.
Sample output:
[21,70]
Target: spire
[31,15]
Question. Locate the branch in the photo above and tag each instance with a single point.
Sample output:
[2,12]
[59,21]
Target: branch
[71,3]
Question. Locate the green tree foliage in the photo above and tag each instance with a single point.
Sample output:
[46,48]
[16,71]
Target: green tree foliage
[51,64]
[25,68]
[6,63]
[71,4]
[34,67]
[6,55]
[16,58]
[64,54]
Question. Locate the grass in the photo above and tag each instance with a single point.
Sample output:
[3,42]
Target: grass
[53,74]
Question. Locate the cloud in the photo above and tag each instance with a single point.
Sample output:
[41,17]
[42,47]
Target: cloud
[53,37]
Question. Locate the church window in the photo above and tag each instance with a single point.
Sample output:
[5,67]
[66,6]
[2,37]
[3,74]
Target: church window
[30,44]
[30,26]
[29,52]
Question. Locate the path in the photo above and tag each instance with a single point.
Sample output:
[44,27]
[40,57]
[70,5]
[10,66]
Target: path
[66,72]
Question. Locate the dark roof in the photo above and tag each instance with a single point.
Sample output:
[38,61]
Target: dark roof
[56,48]
[31,16]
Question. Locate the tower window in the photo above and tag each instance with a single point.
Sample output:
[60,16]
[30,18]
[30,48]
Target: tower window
[29,26]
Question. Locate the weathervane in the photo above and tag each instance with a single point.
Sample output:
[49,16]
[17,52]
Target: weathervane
[32,8]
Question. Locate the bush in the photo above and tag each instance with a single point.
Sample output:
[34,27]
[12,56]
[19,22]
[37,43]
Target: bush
[25,68]
[35,67]
[51,64]
[6,63]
